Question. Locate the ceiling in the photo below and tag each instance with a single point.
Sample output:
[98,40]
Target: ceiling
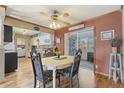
[24,31]
[77,13]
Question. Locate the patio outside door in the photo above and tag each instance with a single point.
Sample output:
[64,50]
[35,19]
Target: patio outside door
[83,39]
[86,44]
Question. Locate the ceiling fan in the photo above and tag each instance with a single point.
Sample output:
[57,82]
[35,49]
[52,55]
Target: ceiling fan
[57,16]
[52,15]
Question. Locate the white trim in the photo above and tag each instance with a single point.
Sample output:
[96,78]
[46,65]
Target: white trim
[66,44]
[76,27]
[102,73]
[2,54]
[123,38]
[88,28]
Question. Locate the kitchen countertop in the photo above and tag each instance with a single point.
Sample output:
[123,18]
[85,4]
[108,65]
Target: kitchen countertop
[10,51]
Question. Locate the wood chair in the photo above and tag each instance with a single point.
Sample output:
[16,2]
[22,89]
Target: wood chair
[39,74]
[75,69]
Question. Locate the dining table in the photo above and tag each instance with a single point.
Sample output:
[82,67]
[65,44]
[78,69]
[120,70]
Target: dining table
[54,63]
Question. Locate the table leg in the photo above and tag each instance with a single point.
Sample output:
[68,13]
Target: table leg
[54,78]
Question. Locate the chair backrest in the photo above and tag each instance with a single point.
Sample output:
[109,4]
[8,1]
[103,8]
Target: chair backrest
[75,66]
[79,52]
[37,64]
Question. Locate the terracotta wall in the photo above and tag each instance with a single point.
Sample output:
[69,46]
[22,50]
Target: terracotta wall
[102,48]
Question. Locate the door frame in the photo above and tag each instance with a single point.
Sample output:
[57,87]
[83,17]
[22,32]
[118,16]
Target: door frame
[67,44]
[122,10]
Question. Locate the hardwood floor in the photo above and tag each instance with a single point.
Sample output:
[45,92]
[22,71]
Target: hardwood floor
[23,78]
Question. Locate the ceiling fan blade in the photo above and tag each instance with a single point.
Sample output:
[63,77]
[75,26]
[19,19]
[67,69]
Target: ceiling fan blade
[64,22]
[66,14]
[44,13]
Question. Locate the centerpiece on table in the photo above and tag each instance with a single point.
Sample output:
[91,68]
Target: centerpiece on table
[57,53]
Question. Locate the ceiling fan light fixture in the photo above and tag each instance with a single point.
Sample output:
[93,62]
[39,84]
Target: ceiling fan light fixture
[58,25]
[54,25]
[50,26]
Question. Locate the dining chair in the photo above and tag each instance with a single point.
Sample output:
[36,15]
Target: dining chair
[75,69]
[72,70]
[39,74]
[79,52]
[67,70]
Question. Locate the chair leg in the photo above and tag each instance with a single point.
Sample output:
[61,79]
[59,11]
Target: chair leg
[64,79]
[67,79]
[71,85]
[39,84]
[35,83]
[59,82]
[78,81]
[44,86]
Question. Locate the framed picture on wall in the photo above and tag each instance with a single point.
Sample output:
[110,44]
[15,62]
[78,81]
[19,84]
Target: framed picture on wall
[107,35]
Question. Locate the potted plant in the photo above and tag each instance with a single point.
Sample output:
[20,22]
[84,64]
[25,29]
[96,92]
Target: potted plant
[57,54]
[115,43]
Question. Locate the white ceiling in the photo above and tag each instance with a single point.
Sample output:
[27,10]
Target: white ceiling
[78,13]
[24,31]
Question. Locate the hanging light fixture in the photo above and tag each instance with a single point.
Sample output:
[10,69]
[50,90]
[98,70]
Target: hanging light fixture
[54,25]
[54,21]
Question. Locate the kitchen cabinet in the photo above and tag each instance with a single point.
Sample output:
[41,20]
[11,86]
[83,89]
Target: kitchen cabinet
[8,33]
[11,62]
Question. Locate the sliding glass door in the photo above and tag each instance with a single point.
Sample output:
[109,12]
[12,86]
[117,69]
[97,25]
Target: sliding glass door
[86,43]
[72,43]
[83,39]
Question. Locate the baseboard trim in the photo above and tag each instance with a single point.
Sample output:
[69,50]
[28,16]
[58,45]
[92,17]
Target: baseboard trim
[104,74]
